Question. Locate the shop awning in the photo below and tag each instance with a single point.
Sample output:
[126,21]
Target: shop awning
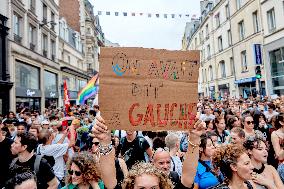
[245,80]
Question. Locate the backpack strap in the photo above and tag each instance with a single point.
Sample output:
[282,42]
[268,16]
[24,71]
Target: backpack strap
[174,168]
[209,169]
[12,164]
[37,163]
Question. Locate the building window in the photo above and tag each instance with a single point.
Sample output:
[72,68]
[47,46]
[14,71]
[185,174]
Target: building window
[44,13]
[32,37]
[222,69]
[255,22]
[277,62]
[17,28]
[229,34]
[53,50]
[210,73]
[207,31]
[232,66]
[32,5]
[241,30]
[217,20]
[227,11]
[52,21]
[239,4]
[205,73]
[208,52]
[50,81]
[27,76]
[195,43]
[271,20]
[44,45]
[220,43]
[244,61]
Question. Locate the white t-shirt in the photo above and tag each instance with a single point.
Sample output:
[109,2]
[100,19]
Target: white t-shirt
[57,151]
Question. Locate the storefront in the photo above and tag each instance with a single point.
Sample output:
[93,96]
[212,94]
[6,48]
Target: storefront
[224,90]
[247,87]
[50,89]
[28,98]
[28,93]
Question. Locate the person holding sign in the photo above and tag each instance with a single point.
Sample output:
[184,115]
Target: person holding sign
[144,178]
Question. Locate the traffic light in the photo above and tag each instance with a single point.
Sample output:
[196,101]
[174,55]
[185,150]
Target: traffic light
[258,72]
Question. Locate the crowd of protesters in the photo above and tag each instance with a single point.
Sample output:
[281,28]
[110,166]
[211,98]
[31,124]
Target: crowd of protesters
[233,144]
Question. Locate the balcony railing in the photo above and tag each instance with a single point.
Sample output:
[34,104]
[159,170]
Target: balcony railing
[17,38]
[32,46]
[32,8]
[44,53]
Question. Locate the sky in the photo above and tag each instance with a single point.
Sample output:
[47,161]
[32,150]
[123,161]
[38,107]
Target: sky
[141,31]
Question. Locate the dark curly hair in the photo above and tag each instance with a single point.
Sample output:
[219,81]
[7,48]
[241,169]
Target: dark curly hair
[19,178]
[254,142]
[225,156]
[87,165]
[148,169]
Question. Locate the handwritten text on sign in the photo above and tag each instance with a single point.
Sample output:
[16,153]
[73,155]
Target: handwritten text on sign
[148,89]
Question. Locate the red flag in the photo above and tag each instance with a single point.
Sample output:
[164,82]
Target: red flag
[66,98]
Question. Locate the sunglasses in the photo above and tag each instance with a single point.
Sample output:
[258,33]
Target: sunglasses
[96,143]
[250,122]
[77,173]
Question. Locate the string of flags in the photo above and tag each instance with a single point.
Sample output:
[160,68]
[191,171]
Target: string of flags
[149,15]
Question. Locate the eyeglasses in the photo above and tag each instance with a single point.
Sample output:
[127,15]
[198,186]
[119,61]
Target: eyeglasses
[250,122]
[77,173]
[96,143]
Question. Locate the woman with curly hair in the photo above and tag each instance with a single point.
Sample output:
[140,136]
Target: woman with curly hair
[235,165]
[265,176]
[82,172]
[146,175]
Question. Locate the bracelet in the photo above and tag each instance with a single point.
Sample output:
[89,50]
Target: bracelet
[192,144]
[105,149]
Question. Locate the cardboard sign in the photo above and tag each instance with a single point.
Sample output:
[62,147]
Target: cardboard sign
[148,89]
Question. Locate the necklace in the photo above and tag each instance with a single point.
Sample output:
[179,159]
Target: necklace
[259,171]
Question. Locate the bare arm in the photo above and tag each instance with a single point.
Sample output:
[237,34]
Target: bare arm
[53,184]
[107,162]
[123,167]
[276,146]
[277,180]
[191,157]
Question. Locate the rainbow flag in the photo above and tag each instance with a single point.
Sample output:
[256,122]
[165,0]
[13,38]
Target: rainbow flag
[91,89]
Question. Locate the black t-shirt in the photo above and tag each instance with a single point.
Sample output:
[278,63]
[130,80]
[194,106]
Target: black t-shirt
[5,159]
[133,152]
[44,175]
[174,177]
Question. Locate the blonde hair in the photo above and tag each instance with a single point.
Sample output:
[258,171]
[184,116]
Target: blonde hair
[146,169]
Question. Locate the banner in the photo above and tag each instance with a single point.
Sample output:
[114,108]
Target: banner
[148,89]
[149,15]
[66,98]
